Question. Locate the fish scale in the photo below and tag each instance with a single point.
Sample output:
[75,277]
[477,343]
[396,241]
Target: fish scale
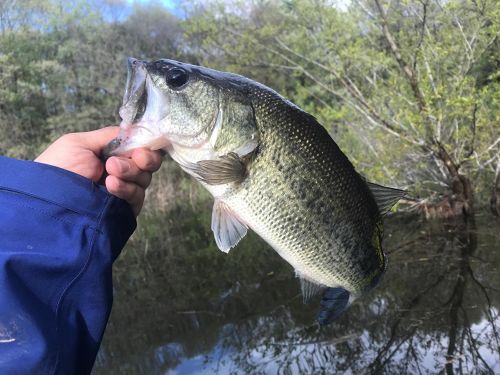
[294,198]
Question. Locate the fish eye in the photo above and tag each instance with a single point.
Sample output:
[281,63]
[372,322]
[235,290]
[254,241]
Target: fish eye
[176,77]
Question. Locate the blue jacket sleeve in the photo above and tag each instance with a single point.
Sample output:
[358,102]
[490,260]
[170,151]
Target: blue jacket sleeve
[59,235]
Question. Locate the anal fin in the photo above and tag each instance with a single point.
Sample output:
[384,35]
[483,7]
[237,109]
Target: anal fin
[228,229]
[308,288]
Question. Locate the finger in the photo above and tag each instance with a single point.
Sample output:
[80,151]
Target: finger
[96,140]
[147,160]
[126,169]
[128,191]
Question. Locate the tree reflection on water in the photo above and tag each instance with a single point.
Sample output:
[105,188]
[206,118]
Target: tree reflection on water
[184,307]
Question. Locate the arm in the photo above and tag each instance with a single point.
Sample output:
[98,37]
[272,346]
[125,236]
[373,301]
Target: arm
[59,234]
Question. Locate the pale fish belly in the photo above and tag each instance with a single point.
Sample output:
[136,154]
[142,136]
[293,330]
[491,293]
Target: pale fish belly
[270,207]
[280,228]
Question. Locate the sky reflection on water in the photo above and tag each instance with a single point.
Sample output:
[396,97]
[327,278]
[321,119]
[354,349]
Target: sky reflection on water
[189,309]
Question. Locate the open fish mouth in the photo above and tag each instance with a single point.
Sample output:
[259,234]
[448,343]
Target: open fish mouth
[135,96]
[141,107]
[134,104]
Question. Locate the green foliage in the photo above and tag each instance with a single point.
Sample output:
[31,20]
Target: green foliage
[62,69]
[338,65]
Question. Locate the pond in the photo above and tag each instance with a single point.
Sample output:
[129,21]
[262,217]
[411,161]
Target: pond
[183,307]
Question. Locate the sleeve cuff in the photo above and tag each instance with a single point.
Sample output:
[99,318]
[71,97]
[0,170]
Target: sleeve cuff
[59,186]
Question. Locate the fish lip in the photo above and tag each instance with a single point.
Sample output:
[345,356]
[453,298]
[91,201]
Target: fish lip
[108,151]
[132,65]
[135,96]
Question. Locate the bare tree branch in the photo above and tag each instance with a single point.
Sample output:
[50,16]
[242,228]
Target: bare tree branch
[422,32]
[353,90]
[405,67]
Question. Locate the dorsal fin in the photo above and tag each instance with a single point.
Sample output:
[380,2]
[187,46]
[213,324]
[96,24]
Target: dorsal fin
[385,197]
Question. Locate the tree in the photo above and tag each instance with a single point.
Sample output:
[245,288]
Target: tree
[399,77]
[63,65]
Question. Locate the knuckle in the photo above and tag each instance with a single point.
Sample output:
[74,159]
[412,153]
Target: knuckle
[146,179]
[146,161]
[67,137]
[140,194]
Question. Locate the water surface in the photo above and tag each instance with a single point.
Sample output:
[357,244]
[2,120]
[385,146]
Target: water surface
[183,307]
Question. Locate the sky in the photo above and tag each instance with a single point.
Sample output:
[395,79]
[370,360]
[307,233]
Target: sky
[170,4]
[124,8]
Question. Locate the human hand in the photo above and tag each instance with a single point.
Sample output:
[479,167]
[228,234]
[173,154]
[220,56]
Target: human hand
[128,176]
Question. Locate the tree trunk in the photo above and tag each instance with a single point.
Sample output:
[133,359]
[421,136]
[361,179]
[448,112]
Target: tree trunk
[462,200]
[459,202]
[495,197]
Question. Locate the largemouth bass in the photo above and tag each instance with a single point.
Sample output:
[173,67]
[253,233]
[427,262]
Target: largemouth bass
[270,167]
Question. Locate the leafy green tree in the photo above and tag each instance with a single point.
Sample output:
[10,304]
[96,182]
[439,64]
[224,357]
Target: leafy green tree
[396,82]
[63,65]
[409,90]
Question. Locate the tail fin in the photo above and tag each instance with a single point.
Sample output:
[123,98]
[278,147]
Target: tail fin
[334,302]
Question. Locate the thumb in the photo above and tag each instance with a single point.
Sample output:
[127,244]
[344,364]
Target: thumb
[96,140]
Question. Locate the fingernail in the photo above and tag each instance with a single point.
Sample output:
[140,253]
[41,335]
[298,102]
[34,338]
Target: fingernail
[123,165]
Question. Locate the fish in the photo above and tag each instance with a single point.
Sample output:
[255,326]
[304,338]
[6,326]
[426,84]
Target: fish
[270,166]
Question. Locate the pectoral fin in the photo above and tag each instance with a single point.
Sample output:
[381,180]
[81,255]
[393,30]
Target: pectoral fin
[226,169]
[228,229]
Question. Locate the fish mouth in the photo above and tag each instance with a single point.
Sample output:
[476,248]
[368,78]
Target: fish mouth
[141,107]
[134,103]
[135,96]
[144,112]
